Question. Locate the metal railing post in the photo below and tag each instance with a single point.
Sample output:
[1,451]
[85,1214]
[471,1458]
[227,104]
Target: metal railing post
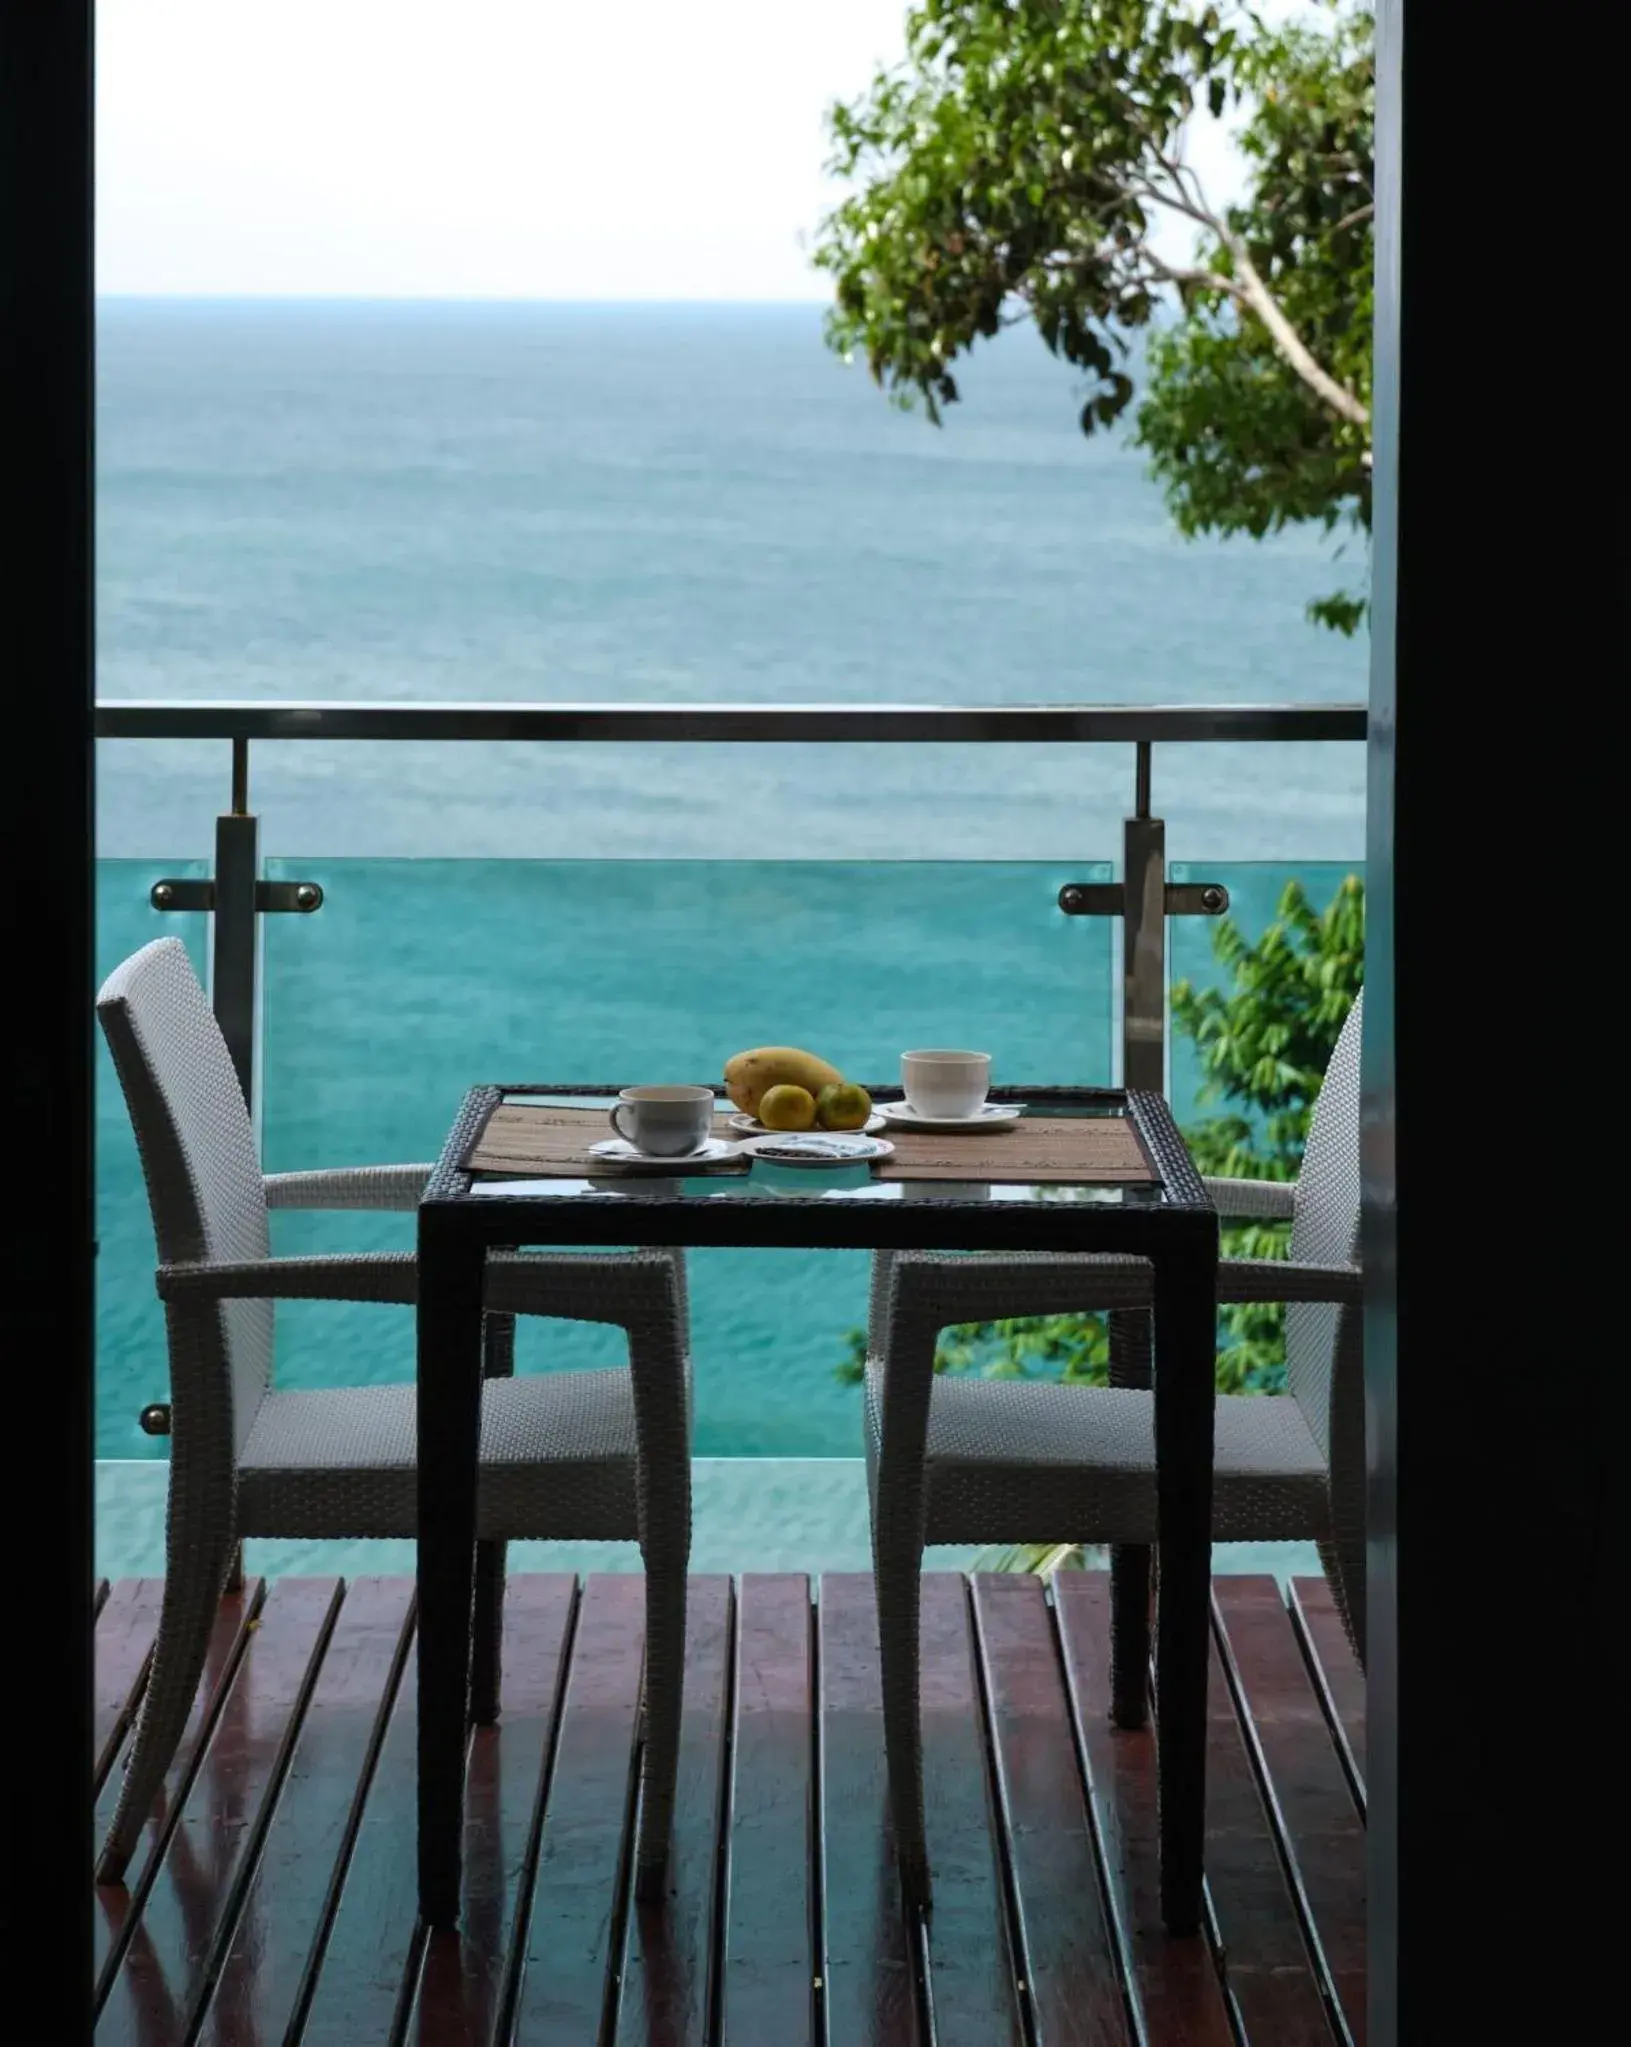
[237,898]
[235,955]
[1143,1065]
[1144,940]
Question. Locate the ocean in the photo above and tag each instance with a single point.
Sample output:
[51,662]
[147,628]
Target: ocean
[665,503]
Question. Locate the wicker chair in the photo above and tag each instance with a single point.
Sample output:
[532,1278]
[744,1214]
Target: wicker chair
[969,1460]
[593,1455]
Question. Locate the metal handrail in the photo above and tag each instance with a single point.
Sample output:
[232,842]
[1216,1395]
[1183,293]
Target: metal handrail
[871,724]
[1143,899]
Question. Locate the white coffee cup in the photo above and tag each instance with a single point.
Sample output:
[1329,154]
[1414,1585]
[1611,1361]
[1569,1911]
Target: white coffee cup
[664,1122]
[945,1083]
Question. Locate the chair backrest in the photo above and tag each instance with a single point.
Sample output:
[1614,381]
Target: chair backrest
[198,1153]
[1325,1231]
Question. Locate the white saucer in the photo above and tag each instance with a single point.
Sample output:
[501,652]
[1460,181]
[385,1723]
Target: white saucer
[989,1116]
[750,1126]
[816,1148]
[617,1151]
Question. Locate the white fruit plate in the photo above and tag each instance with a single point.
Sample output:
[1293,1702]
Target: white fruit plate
[750,1126]
[816,1148]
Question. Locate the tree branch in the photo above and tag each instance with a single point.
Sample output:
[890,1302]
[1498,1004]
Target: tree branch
[1208,280]
[1248,289]
[1256,294]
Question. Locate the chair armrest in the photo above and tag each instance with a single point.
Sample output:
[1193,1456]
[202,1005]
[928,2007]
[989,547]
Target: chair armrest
[1270,1200]
[348,1187]
[627,1289]
[357,1276]
[949,1289]
[1280,1279]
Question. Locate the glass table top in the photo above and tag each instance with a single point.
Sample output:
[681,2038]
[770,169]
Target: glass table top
[767,1179]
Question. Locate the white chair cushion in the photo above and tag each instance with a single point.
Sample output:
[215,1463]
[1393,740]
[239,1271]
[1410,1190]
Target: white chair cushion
[557,1460]
[1034,1461]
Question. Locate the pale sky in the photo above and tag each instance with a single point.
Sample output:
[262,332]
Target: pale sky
[606,149]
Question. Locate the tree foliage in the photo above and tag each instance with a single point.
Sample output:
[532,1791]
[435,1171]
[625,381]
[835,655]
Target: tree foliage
[1018,165]
[1264,1045]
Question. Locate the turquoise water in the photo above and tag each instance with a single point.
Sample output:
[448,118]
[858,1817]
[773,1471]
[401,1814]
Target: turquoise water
[662,503]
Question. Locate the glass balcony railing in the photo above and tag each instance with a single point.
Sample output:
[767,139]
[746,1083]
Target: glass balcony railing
[365,1022]
[419,977]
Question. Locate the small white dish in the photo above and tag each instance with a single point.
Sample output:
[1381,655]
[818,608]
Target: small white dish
[617,1151]
[989,1116]
[816,1148]
[750,1126]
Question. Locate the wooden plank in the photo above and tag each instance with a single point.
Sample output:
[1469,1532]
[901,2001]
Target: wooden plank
[118,1905]
[126,1625]
[1308,1793]
[971,1977]
[371,1957]
[1178,1999]
[668,1958]
[866,1967]
[767,1965]
[565,1982]
[1267,1973]
[190,1907]
[468,1975]
[1337,1676]
[286,1909]
[1067,1960]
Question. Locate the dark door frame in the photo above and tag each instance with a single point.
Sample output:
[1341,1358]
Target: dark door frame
[1498,581]
[46,648]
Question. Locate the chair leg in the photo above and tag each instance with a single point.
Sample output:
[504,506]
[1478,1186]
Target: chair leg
[497,1346]
[195,1573]
[663,1694]
[1344,1567]
[898,1571]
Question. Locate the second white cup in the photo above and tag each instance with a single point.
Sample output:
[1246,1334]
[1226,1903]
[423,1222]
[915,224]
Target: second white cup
[945,1083]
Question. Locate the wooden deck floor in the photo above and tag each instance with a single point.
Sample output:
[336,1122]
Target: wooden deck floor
[274,1899]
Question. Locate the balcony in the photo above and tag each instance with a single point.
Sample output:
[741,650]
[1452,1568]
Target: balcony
[361,1022]
[273,1897]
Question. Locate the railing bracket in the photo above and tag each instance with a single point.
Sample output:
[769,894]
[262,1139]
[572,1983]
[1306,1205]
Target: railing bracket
[300,897]
[1109,898]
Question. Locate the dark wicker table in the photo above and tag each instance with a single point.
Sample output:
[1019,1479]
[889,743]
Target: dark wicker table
[1171,1222]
